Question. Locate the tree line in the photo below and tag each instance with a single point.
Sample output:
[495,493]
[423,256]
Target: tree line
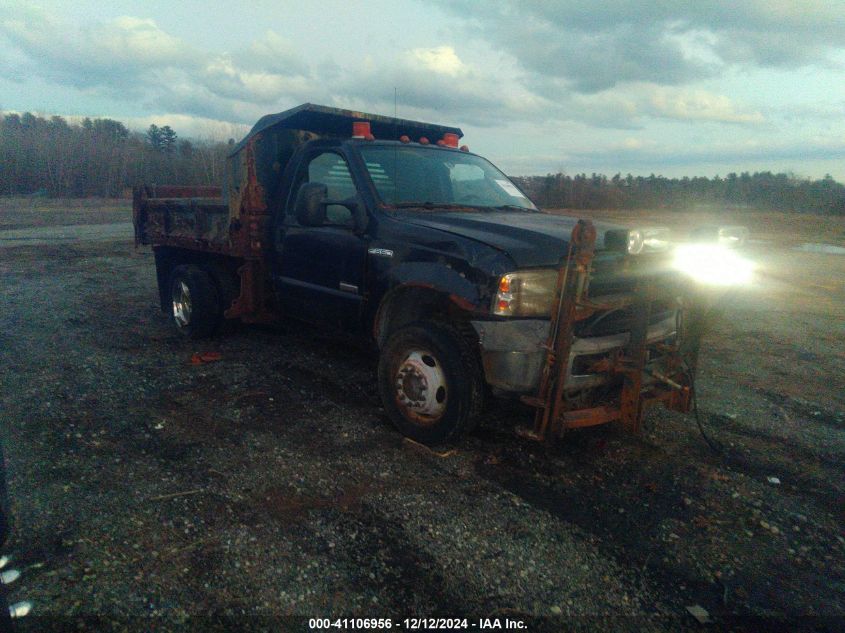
[760,190]
[99,157]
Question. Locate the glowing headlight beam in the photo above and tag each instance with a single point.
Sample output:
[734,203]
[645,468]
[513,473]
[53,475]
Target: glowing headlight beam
[713,264]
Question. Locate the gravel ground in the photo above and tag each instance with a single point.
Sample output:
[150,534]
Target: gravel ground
[150,492]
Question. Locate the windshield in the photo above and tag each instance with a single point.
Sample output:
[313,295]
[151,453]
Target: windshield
[418,176]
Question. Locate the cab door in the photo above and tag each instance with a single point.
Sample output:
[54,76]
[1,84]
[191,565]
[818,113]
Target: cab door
[319,270]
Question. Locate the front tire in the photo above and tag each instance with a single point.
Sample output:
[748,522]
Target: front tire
[430,382]
[195,303]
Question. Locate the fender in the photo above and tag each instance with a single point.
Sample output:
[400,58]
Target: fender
[441,277]
[437,277]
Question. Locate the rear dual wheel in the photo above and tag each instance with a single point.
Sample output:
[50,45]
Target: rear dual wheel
[195,302]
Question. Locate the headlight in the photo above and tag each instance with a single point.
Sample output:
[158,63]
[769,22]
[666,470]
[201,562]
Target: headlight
[646,240]
[713,264]
[528,293]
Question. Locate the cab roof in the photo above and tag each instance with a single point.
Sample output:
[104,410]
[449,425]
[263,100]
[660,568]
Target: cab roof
[336,122]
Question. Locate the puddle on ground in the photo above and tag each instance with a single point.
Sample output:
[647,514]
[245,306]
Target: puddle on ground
[814,247]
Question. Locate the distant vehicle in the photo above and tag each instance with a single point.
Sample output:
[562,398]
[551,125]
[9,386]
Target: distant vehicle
[387,229]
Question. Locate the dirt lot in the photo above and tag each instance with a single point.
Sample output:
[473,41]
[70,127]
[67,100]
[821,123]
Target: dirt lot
[271,484]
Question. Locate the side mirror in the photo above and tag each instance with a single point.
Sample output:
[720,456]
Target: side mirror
[310,204]
[360,220]
[310,207]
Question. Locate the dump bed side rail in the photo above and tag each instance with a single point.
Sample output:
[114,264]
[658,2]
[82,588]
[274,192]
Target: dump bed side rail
[188,217]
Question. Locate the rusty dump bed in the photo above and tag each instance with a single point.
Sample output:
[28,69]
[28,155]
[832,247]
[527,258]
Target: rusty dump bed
[189,217]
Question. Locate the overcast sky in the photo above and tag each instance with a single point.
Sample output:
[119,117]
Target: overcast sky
[674,88]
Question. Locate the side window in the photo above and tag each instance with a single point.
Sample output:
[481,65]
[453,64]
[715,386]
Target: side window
[331,170]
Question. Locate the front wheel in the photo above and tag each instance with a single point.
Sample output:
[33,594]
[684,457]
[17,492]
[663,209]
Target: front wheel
[430,382]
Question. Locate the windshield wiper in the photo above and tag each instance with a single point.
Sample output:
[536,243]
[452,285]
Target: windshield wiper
[512,207]
[434,205]
[411,205]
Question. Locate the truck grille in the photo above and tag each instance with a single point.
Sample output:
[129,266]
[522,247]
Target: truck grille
[619,321]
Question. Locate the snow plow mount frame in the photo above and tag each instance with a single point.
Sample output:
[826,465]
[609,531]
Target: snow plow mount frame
[642,386]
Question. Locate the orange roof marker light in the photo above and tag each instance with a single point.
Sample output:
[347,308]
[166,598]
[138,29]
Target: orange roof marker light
[450,139]
[464,148]
[361,129]
[423,140]
[404,138]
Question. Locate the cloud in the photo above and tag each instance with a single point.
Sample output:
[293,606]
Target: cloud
[697,105]
[596,46]
[822,112]
[109,54]
[441,60]
[552,68]
[435,80]
[223,78]
[633,105]
[273,54]
[132,58]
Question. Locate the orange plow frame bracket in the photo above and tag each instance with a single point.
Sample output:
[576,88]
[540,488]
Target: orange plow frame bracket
[554,412]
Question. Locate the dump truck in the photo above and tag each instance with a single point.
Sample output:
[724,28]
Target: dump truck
[390,230]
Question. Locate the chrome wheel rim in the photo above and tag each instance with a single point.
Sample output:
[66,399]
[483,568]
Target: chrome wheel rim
[181,304]
[420,387]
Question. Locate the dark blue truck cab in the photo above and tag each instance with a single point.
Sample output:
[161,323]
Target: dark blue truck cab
[387,229]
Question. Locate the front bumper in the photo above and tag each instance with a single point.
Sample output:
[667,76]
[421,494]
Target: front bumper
[513,352]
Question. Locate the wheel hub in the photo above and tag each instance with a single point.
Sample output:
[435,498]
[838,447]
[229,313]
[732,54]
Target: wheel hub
[421,388]
[181,304]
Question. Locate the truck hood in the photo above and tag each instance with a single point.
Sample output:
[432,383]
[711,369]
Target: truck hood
[531,239]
